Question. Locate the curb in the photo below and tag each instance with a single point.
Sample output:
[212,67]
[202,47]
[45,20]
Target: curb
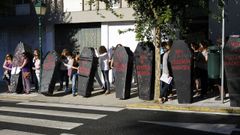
[140,106]
[192,108]
[10,97]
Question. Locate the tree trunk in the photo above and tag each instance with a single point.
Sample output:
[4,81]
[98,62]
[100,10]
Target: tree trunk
[157,64]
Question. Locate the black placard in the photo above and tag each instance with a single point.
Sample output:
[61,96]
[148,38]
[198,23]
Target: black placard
[16,77]
[123,65]
[232,66]
[180,59]
[144,57]
[87,68]
[49,71]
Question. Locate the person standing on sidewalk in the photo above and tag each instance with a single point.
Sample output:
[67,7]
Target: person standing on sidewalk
[104,66]
[64,70]
[166,70]
[26,73]
[7,66]
[75,71]
[36,68]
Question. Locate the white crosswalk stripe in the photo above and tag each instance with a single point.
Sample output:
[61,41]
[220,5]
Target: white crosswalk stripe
[11,115]
[39,122]
[16,132]
[53,113]
[99,108]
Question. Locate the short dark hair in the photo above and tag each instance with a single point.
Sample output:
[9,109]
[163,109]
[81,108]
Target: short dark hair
[102,49]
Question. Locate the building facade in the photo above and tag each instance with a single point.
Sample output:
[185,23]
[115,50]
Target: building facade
[71,24]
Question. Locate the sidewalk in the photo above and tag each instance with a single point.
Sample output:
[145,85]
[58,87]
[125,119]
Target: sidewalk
[99,99]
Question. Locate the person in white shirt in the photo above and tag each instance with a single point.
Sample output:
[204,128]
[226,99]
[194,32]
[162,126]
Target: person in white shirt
[36,68]
[165,69]
[104,66]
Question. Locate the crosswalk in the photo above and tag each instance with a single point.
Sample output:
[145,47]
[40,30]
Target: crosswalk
[48,116]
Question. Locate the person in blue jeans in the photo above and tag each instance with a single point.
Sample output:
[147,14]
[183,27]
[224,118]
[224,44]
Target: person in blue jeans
[74,82]
[166,70]
[75,68]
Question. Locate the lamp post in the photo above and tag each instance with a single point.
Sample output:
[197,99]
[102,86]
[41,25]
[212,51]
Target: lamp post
[40,9]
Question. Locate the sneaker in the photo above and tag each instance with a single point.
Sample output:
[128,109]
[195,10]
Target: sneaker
[107,92]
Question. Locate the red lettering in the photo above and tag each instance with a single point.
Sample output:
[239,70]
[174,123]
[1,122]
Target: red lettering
[181,67]
[143,67]
[120,67]
[232,63]
[235,44]
[181,61]
[144,73]
[49,63]
[178,52]
[84,71]
[231,58]
[143,70]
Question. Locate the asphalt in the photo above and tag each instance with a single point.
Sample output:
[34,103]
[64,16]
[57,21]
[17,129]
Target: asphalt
[98,98]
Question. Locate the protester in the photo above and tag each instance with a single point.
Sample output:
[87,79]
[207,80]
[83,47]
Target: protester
[199,70]
[104,66]
[26,73]
[204,69]
[64,70]
[204,49]
[36,68]
[70,58]
[167,72]
[7,66]
[75,71]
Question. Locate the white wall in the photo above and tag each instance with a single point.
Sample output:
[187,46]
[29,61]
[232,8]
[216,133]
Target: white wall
[72,5]
[111,37]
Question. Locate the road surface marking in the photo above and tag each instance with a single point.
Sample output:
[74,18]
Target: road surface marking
[99,108]
[39,122]
[16,132]
[53,113]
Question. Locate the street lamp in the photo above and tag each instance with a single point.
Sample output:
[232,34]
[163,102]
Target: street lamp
[40,9]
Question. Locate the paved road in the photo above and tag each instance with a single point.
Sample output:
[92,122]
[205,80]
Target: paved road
[38,118]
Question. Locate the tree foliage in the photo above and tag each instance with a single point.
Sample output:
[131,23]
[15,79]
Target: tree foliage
[165,14]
